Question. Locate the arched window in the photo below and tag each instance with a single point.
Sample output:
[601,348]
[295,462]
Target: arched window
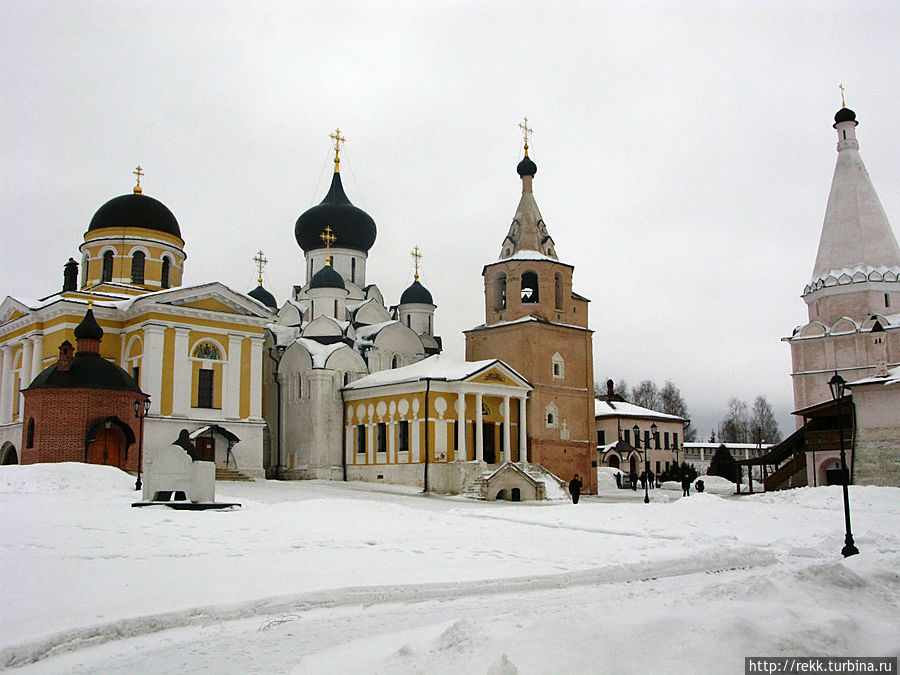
[558,366]
[353,270]
[137,267]
[164,277]
[559,292]
[530,288]
[551,413]
[395,361]
[107,273]
[29,433]
[500,292]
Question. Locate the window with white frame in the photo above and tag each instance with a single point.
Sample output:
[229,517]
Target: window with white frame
[558,365]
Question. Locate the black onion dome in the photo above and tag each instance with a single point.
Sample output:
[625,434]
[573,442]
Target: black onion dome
[135,210]
[844,115]
[87,370]
[266,298]
[88,329]
[327,277]
[416,294]
[526,167]
[352,227]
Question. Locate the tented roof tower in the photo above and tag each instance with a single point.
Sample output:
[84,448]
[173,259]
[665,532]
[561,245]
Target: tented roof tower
[857,248]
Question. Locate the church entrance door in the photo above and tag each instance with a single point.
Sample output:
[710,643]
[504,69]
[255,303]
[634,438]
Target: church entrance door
[206,448]
[490,454]
[107,447]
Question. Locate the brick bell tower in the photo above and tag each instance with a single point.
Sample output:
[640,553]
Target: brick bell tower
[537,324]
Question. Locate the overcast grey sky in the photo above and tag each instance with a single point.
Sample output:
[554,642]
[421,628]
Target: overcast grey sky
[684,152]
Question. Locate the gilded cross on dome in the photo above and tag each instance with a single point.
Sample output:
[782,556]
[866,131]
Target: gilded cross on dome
[417,256]
[843,102]
[523,125]
[329,238]
[338,139]
[260,261]
[138,172]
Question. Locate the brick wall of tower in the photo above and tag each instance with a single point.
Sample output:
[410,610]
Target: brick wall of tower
[62,418]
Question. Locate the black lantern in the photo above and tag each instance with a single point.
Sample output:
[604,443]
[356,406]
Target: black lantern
[837,384]
[141,408]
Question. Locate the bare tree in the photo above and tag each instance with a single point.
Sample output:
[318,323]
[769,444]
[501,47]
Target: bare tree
[735,426]
[673,404]
[646,395]
[763,427]
[620,388]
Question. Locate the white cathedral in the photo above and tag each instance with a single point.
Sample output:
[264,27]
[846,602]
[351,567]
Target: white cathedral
[335,330]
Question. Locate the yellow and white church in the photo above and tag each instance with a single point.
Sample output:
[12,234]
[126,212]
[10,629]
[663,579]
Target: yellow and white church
[197,351]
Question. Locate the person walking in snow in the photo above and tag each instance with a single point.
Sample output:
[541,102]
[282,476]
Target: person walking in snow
[575,488]
[685,486]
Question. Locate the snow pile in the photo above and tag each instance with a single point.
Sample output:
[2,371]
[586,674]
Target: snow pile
[715,485]
[319,576]
[606,480]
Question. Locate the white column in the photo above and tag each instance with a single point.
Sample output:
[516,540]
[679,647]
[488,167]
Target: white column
[6,384]
[507,455]
[151,365]
[461,426]
[523,433]
[232,386]
[37,356]
[181,382]
[256,375]
[25,373]
[479,430]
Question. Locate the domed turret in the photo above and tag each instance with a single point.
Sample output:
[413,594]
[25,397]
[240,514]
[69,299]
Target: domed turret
[327,277]
[266,298]
[88,329]
[526,167]
[135,210]
[352,227]
[844,115]
[416,294]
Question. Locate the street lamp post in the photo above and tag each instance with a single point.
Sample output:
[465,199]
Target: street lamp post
[140,411]
[637,439]
[836,384]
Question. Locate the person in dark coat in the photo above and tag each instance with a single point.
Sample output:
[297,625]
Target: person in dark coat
[686,486]
[575,488]
[634,479]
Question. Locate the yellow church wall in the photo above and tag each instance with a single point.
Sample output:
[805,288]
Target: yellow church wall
[210,304]
[168,372]
[494,416]
[218,370]
[246,353]
[206,324]
[134,233]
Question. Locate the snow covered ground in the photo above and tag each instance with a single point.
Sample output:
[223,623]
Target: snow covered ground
[314,577]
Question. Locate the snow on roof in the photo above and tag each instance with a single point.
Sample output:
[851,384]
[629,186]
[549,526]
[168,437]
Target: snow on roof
[371,330]
[318,351]
[525,254]
[624,409]
[526,319]
[437,367]
[892,377]
[284,335]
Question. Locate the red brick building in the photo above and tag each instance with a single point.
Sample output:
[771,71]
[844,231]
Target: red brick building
[81,408]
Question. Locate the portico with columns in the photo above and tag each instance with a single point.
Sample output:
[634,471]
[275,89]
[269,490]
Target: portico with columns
[436,424]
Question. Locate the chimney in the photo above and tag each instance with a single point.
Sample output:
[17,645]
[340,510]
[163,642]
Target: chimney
[66,354]
[70,276]
[609,388]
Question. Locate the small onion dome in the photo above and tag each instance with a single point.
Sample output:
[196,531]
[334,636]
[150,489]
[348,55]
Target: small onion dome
[88,329]
[87,370]
[135,210]
[353,227]
[266,298]
[526,167]
[844,115]
[327,277]
[416,294]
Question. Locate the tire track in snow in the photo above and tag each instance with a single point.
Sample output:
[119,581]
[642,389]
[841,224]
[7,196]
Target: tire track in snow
[702,561]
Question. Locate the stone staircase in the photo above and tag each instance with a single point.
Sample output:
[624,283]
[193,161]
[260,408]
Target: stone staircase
[477,487]
[232,474]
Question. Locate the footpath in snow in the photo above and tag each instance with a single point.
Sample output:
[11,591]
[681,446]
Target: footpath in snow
[315,576]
